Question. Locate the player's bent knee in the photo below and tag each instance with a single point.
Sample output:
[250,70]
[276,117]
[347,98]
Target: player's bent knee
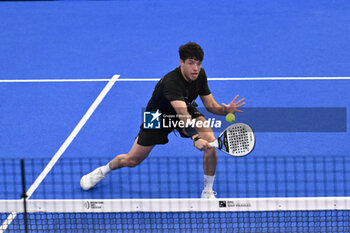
[132,163]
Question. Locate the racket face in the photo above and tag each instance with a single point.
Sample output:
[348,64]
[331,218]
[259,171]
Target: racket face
[238,140]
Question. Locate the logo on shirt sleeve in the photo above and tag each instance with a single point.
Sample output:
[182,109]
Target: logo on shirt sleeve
[152,120]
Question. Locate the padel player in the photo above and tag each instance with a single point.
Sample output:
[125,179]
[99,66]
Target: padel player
[175,94]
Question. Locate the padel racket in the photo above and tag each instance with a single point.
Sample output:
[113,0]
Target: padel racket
[236,140]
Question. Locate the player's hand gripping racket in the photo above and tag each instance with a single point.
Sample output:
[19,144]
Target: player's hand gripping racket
[236,140]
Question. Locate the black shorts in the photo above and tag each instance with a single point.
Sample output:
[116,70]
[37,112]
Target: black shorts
[150,137]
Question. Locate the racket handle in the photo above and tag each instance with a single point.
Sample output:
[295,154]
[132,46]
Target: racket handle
[214,144]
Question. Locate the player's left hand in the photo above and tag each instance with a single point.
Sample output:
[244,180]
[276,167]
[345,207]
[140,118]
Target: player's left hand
[233,106]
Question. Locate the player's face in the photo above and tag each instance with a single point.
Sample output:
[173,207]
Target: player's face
[190,69]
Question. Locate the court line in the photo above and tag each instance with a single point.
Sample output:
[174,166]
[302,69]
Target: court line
[244,79]
[157,79]
[63,147]
[279,78]
[51,80]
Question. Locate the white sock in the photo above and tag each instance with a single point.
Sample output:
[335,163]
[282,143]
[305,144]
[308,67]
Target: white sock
[105,169]
[208,182]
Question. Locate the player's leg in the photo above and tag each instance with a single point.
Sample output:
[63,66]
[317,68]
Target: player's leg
[209,160]
[135,156]
[144,143]
[209,155]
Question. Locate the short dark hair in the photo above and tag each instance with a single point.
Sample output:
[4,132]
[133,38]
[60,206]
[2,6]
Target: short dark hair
[191,50]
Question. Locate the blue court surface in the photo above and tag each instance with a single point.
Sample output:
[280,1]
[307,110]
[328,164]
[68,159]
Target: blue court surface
[56,58]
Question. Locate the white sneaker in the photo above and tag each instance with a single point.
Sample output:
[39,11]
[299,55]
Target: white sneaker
[90,180]
[208,194]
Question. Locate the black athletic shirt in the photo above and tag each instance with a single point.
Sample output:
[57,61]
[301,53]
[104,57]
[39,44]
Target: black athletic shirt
[174,87]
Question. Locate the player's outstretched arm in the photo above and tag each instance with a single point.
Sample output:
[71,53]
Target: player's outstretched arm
[212,106]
